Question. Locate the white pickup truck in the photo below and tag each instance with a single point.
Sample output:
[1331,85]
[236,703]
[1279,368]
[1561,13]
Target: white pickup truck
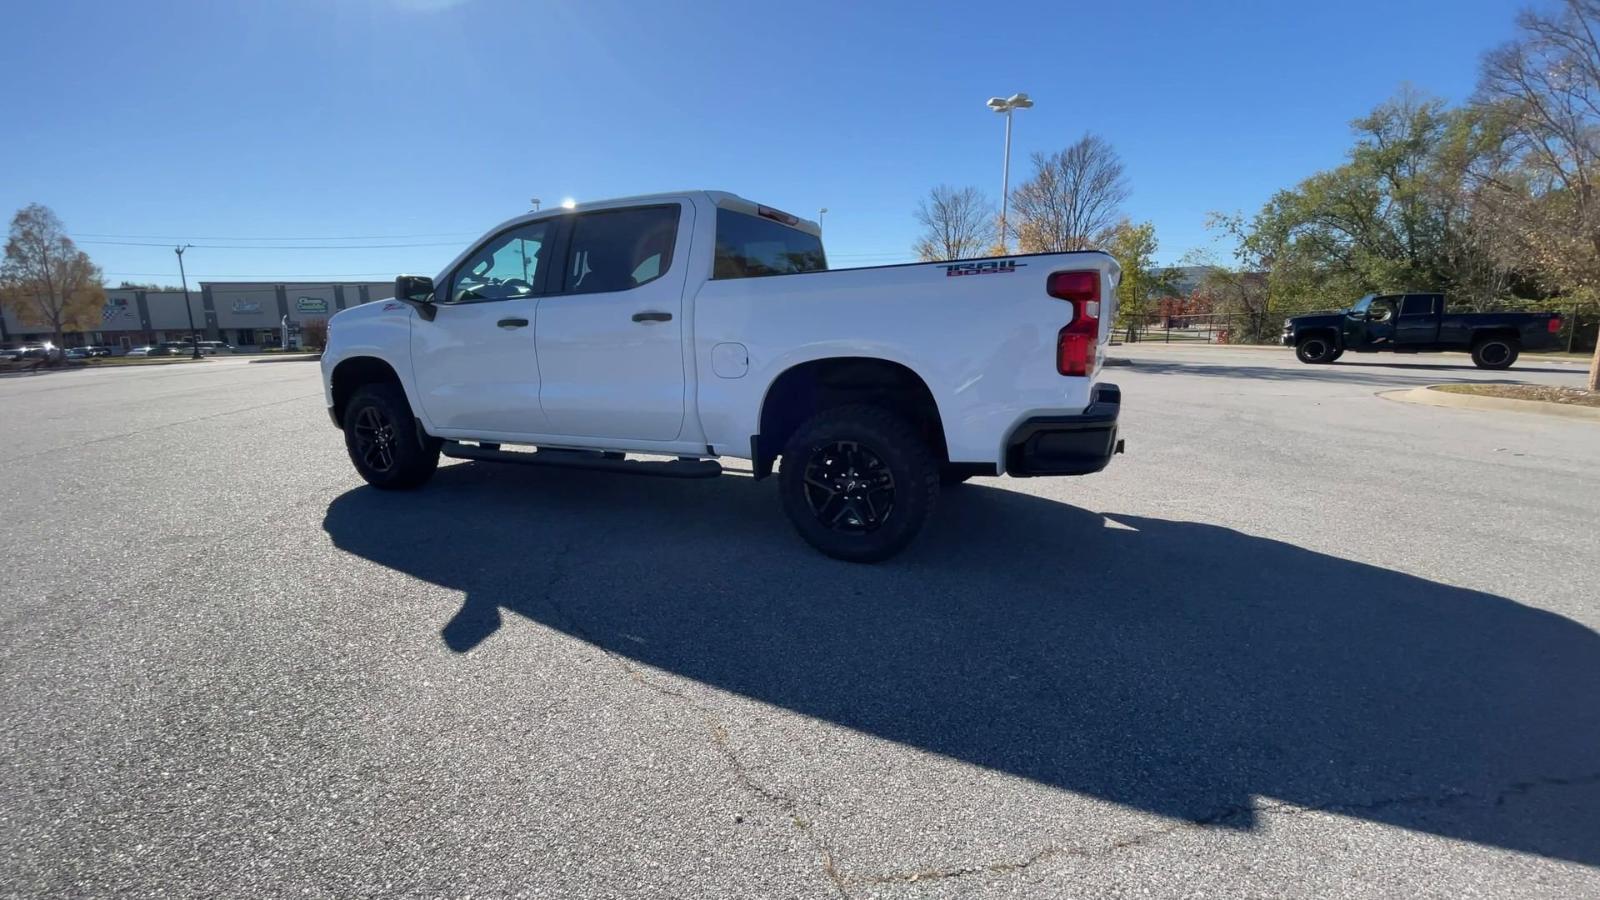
[699,325]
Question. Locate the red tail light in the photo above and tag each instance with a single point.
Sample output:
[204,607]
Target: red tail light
[1075,345]
[1554,324]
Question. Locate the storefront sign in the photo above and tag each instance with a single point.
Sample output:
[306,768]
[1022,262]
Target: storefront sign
[247,306]
[311,305]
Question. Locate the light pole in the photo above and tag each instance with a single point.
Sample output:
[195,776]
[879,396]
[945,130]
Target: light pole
[1005,105]
[194,336]
[820,213]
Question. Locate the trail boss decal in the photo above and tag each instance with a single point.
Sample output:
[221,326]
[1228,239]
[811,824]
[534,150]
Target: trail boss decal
[991,267]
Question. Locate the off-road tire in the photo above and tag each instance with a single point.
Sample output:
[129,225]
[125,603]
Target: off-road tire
[842,516]
[387,448]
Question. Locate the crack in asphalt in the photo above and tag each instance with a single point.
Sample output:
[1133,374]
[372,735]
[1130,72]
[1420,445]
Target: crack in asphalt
[790,806]
[1222,816]
[784,804]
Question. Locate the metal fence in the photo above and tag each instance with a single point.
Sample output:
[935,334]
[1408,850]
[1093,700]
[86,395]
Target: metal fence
[1209,328]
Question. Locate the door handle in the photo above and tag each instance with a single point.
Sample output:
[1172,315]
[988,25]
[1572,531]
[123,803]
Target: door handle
[652,316]
[512,323]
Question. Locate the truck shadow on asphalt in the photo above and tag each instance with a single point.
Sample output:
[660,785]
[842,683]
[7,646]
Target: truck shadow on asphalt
[1176,667]
[1338,373]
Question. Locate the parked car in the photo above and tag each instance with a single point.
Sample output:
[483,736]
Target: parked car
[10,353]
[1418,323]
[77,353]
[97,351]
[700,325]
[158,350]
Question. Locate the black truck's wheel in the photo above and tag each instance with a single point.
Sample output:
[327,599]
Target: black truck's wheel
[1315,350]
[1334,356]
[858,483]
[387,448]
[1494,353]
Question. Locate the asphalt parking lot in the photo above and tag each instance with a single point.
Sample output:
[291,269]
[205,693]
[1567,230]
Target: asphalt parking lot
[1300,641]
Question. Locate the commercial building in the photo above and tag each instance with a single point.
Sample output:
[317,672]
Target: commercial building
[247,314]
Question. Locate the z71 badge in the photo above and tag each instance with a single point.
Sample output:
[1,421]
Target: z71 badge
[988,267]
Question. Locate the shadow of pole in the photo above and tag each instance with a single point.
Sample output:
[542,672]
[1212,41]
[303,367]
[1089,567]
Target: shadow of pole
[1175,667]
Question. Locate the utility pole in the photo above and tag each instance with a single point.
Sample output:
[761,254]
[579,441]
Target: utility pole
[194,336]
[1006,105]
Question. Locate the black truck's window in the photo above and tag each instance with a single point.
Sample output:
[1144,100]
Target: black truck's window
[620,249]
[505,267]
[750,246]
[1417,305]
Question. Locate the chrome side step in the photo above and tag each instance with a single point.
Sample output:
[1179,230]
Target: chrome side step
[593,460]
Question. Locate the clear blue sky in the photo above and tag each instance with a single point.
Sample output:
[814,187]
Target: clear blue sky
[315,119]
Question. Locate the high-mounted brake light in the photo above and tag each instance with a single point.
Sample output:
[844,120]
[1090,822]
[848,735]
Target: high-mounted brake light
[1075,345]
[1554,324]
[777,215]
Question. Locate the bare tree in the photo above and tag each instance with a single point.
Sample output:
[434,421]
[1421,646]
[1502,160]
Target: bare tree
[1542,91]
[1074,199]
[956,223]
[45,277]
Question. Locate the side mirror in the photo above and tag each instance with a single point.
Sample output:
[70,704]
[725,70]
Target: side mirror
[416,290]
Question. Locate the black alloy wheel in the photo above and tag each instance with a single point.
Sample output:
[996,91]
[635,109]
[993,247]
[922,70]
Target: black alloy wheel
[848,487]
[374,436]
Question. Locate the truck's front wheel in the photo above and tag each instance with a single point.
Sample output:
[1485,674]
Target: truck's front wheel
[1314,350]
[858,482]
[387,448]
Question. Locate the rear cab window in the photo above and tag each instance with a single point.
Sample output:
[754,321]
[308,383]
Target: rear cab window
[753,247]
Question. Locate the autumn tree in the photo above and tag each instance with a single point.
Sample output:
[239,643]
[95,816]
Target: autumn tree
[956,223]
[1542,92]
[1072,201]
[46,278]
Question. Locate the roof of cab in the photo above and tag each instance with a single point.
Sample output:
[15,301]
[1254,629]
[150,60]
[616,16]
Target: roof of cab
[722,199]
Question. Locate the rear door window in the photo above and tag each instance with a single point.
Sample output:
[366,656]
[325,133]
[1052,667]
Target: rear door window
[1417,305]
[620,249]
[750,247]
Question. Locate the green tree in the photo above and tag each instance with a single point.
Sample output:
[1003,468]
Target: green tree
[1397,215]
[1134,246]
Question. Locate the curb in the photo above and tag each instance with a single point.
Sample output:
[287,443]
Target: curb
[1427,396]
[293,358]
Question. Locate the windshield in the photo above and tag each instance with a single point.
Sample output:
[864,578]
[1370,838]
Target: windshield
[1360,308]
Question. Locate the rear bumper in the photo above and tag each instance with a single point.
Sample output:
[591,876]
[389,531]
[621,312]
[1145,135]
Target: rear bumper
[1067,445]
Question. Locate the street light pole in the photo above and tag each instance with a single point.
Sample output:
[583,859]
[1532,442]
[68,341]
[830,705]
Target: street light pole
[1007,105]
[194,336]
[820,213]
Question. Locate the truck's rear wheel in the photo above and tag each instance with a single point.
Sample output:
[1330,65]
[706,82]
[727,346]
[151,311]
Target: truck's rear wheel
[386,447]
[1494,353]
[1314,350]
[858,482]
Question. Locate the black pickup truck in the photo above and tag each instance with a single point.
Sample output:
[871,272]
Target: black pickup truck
[1418,323]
